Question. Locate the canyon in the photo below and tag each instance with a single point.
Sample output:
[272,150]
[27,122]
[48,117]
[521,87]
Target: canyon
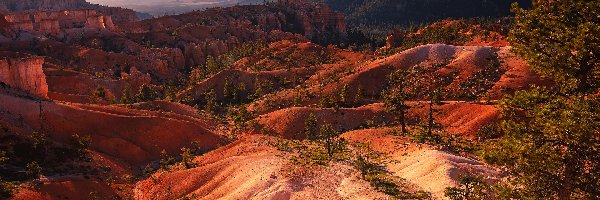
[270,101]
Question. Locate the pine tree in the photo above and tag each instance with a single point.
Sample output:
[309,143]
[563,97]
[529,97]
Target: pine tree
[550,140]
[559,39]
[210,98]
[33,170]
[127,95]
[330,139]
[187,158]
[396,95]
[310,127]
[345,100]
[146,94]
[550,144]
[100,93]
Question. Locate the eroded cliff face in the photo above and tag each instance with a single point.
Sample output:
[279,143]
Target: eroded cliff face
[215,31]
[119,15]
[56,21]
[25,73]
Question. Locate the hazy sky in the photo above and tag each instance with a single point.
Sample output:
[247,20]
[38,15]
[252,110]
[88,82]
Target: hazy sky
[161,7]
[157,2]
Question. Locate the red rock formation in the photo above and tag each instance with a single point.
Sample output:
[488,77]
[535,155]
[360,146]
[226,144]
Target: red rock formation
[218,30]
[55,21]
[134,136]
[120,15]
[24,73]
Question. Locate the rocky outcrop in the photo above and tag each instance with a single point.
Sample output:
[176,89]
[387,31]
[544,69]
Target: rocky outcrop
[55,21]
[119,15]
[216,31]
[24,73]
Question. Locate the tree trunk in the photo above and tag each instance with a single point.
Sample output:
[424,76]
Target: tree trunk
[582,74]
[566,188]
[403,121]
[430,130]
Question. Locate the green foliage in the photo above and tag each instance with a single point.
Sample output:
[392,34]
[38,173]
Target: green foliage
[327,102]
[345,99]
[3,157]
[560,39]
[147,93]
[381,180]
[197,75]
[33,170]
[187,158]
[396,95]
[7,189]
[330,139]
[310,127]
[81,143]
[240,117]
[100,92]
[488,131]
[470,188]
[550,144]
[39,139]
[216,64]
[211,105]
[307,152]
[263,87]
[127,96]
[166,160]
[234,94]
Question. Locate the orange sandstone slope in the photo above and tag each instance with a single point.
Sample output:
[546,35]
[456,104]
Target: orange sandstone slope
[134,136]
[251,168]
[471,72]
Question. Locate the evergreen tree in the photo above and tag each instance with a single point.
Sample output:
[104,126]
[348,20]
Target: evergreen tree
[345,100]
[470,188]
[212,65]
[166,160]
[551,144]
[560,39]
[330,139]
[146,94]
[310,127]
[210,98]
[33,170]
[3,157]
[187,157]
[127,95]
[551,136]
[100,93]
[396,95]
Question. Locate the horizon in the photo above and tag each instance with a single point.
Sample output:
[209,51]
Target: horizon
[159,7]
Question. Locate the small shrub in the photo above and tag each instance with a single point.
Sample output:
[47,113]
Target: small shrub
[100,92]
[187,158]
[33,170]
[81,143]
[166,161]
[7,189]
[3,157]
[39,139]
[470,187]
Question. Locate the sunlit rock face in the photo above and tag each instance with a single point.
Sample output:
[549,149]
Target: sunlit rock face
[24,72]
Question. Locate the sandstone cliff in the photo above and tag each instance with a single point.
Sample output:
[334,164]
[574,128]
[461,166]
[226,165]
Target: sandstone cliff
[24,73]
[56,21]
[218,30]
